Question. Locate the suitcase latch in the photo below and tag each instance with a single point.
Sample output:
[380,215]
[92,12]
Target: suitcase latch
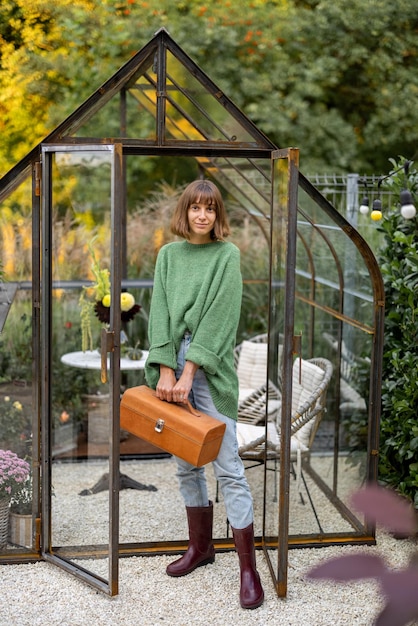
[159,425]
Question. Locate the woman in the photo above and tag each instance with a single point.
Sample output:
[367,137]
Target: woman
[194,316]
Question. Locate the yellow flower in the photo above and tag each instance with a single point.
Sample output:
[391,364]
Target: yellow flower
[106,300]
[17,405]
[127,301]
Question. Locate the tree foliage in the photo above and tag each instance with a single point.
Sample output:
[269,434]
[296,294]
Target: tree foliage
[334,79]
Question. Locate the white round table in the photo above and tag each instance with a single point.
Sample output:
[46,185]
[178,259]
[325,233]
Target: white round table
[91,360]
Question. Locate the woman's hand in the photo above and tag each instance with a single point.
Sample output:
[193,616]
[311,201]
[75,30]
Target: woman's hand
[166,383]
[172,390]
[184,384]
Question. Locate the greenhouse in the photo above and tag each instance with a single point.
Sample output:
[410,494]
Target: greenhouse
[312,293]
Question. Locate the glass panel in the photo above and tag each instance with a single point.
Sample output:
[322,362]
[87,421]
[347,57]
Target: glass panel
[80,412]
[248,183]
[193,113]
[16,376]
[128,114]
[334,314]
[141,103]
[276,505]
[148,228]
[18,435]
[16,427]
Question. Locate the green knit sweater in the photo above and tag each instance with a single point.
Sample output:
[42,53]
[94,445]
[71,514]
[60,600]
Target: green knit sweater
[197,287]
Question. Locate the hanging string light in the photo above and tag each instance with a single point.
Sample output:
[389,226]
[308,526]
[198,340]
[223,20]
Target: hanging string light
[376,213]
[408,210]
[364,206]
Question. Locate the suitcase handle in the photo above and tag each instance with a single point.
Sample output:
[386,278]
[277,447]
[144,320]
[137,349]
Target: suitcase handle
[191,408]
[187,405]
[160,423]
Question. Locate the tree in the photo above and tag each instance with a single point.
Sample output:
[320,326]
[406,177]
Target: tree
[331,78]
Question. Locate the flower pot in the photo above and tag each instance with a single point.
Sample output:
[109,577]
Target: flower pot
[20,529]
[4,521]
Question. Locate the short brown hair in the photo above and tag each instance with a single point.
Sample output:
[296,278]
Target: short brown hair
[206,192]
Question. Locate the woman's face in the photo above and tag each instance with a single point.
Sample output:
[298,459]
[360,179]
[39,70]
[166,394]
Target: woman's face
[201,219]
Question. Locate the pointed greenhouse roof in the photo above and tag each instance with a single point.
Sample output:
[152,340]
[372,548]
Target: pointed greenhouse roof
[159,102]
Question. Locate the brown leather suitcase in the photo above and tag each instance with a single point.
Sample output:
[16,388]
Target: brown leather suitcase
[176,428]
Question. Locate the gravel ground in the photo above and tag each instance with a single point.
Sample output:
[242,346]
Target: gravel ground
[43,594]
[159,515]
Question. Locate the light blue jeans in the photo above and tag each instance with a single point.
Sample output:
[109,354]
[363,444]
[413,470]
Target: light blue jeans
[228,467]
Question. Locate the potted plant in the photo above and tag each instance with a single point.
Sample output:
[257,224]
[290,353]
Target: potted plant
[95,301]
[14,471]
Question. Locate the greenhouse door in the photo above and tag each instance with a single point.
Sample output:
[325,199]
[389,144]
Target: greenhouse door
[79,526]
[281,341]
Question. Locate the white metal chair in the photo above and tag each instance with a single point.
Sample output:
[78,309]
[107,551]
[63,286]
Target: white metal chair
[310,382]
[251,367]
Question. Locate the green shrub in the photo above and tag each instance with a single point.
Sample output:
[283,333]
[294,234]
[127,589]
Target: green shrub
[398,464]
